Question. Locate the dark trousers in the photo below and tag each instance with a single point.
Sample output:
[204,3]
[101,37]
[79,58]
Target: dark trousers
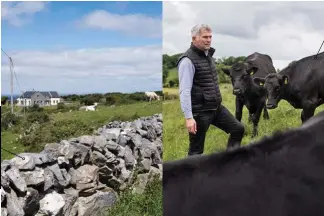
[220,118]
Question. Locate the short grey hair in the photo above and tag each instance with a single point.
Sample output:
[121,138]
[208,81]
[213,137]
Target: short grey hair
[195,31]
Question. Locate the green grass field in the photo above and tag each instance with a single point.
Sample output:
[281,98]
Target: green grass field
[149,203]
[175,136]
[94,120]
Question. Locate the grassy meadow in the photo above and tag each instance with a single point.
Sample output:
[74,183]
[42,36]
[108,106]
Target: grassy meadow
[175,135]
[89,121]
[64,125]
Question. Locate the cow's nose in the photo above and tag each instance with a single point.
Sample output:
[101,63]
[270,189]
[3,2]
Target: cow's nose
[236,91]
[271,106]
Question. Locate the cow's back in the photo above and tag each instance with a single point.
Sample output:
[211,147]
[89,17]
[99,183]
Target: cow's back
[307,74]
[279,176]
[263,62]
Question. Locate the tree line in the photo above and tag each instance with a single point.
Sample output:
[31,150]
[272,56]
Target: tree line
[113,98]
[170,63]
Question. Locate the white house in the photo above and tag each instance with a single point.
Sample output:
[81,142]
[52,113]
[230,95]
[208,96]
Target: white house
[42,98]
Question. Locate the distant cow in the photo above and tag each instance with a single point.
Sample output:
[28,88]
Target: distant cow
[280,175]
[301,83]
[248,94]
[152,95]
[92,107]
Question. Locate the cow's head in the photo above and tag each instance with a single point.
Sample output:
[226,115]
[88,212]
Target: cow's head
[240,74]
[274,84]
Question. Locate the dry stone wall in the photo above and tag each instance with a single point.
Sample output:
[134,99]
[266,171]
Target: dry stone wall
[82,176]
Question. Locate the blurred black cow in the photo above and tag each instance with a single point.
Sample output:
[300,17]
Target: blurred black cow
[280,175]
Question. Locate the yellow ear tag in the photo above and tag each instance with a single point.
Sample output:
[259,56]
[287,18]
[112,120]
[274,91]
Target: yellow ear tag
[286,81]
[261,83]
[252,72]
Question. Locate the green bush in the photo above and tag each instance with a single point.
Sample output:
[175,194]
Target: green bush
[112,99]
[34,108]
[166,85]
[137,97]
[33,137]
[4,100]
[61,106]
[8,120]
[88,101]
[54,132]
[223,78]
[40,117]
[68,128]
[172,83]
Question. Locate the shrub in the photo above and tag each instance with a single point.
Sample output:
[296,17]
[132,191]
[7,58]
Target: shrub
[112,99]
[34,108]
[4,100]
[64,129]
[40,117]
[8,120]
[38,135]
[61,106]
[171,83]
[32,136]
[222,77]
[87,101]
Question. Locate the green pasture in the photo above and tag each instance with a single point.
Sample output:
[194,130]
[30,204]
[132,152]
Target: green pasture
[176,140]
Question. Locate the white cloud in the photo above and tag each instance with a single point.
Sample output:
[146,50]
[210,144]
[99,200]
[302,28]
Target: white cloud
[20,13]
[91,66]
[286,31]
[135,24]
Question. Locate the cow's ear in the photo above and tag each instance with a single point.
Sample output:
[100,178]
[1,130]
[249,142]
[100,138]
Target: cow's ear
[227,71]
[250,68]
[253,70]
[259,81]
[285,79]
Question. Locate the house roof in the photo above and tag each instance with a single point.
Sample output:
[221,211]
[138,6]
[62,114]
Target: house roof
[49,94]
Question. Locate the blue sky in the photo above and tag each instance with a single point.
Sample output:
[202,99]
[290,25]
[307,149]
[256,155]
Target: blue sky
[82,47]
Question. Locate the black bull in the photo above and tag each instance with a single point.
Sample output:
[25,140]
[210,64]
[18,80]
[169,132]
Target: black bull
[280,175]
[248,94]
[301,83]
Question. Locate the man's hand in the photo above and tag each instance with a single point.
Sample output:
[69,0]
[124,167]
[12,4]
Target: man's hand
[191,125]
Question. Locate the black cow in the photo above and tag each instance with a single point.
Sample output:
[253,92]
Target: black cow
[280,175]
[301,83]
[248,94]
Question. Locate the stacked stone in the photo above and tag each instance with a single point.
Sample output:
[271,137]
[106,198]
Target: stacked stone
[82,176]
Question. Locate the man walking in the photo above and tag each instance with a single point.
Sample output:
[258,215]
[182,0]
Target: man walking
[200,97]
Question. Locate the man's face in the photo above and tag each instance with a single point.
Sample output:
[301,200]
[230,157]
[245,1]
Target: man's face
[203,41]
